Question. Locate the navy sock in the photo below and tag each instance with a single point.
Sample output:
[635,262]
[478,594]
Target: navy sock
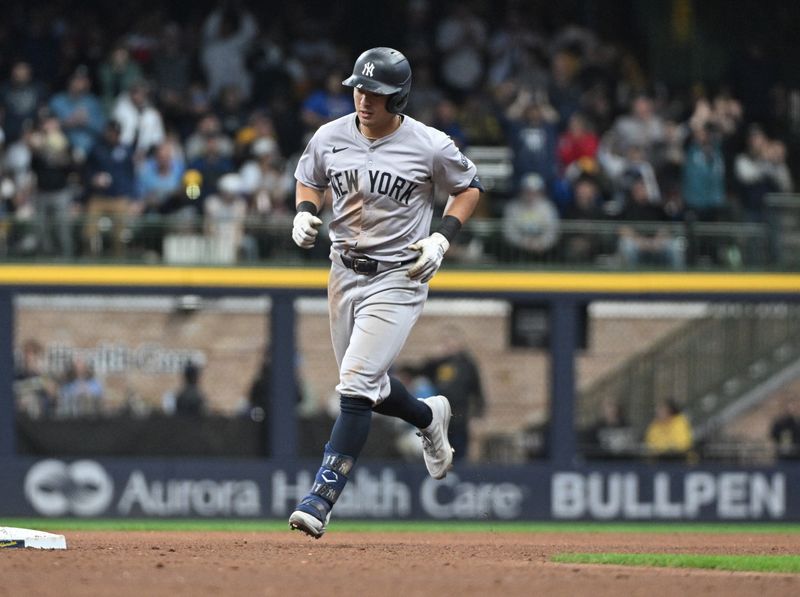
[401,404]
[352,426]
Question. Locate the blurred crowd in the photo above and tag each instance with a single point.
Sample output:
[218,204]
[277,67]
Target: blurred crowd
[199,122]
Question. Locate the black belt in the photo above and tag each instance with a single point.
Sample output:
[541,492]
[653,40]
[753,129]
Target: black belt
[367,266]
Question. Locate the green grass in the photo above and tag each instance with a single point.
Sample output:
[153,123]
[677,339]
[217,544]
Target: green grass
[737,563]
[238,525]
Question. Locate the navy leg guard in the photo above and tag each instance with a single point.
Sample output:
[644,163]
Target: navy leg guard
[328,485]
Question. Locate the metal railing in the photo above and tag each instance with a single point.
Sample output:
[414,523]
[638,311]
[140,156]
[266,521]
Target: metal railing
[706,364]
[186,240]
[783,211]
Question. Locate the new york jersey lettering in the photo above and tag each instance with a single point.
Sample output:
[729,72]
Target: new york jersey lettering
[345,182]
[395,187]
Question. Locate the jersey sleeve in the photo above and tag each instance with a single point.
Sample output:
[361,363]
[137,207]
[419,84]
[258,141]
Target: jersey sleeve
[311,169]
[452,170]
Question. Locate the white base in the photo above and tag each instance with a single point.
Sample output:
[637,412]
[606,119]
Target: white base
[14,537]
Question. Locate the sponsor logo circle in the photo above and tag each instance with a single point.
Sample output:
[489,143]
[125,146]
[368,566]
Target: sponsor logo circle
[56,488]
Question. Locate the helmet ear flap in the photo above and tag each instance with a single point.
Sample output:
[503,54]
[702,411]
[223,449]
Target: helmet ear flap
[397,102]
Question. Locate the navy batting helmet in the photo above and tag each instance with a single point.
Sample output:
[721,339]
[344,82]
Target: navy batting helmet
[383,71]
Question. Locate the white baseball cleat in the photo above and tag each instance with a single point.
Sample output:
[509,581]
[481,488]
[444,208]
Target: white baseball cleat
[310,525]
[436,446]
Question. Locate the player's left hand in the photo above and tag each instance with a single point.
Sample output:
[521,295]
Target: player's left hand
[432,250]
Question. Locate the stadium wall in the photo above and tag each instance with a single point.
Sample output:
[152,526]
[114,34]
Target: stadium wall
[558,488]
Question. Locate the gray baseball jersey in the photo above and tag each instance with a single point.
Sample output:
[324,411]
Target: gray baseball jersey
[382,202]
[383,189]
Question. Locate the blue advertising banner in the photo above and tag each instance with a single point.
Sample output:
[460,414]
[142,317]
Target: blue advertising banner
[263,489]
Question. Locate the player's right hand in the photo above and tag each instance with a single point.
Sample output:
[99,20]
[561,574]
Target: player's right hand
[305,229]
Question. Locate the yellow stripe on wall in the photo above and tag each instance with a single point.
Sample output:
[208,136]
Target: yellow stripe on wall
[631,282]
[164,276]
[458,281]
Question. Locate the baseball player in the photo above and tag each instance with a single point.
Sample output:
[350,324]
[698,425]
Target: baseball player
[381,166]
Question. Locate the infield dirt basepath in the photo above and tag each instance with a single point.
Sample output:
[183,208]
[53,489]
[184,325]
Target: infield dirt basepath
[365,564]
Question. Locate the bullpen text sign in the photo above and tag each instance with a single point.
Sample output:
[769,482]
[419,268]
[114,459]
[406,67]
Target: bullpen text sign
[691,495]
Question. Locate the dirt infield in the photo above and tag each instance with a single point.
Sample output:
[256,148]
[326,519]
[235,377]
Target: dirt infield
[366,564]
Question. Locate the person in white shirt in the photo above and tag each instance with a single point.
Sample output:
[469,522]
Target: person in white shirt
[263,178]
[140,122]
[225,215]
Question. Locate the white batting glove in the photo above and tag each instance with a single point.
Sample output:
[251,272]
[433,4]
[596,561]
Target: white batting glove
[432,251]
[305,229]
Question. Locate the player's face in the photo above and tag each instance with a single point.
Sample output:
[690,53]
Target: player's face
[371,108]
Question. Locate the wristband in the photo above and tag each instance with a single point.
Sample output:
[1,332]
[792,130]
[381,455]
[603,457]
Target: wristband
[307,206]
[449,227]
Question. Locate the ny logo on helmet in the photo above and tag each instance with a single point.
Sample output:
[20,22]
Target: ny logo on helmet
[369,67]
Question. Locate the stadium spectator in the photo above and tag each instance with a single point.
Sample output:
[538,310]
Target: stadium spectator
[259,395]
[80,112]
[81,393]
[446,120]
[225,213]
[116,75]
[189,400]
[260,125]
[584,245]
[596,103]
[212,164]
[532,135]
[263,179]
[110,179]
[785,429]
[35,391]
[328,103]
[669,434]
[642,127]
[610,436]
[140,122]
[158,180]
[208,126]
[53,165]
[197,104]
[461,38]
[704,175]
[227,34]
[760,170]
[530,222]
[635,167]
[578,141]
[479,121]
[455,374]
[231,111]
[20,98]
[638,246]
[564,87]
[276,72]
